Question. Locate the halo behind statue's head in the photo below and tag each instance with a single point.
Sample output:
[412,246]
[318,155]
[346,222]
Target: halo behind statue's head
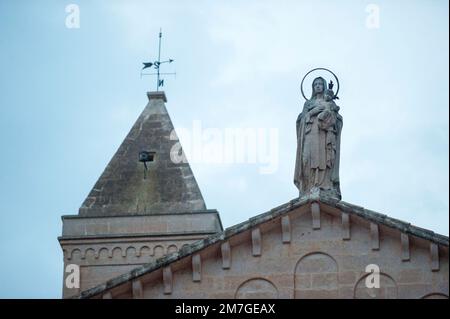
[317,69]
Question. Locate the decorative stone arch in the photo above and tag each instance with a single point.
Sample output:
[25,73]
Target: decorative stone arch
[172,248]
[316,276]
[435,295]
[131,251]
[145,251]
[256,288]
[158,251]
[388,288]
[89,252]
[74,251]
[103,250]
[116,248]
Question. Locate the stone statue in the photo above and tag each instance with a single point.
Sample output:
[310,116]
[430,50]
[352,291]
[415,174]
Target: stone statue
[318,143]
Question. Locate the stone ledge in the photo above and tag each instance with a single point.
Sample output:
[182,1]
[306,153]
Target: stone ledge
[157,95]
[138,225]
[143,235]
[206,211]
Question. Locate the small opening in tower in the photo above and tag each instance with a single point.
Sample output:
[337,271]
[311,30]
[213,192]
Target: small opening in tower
[146,156]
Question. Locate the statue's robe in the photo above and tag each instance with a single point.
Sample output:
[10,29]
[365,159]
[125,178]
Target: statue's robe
[317,160]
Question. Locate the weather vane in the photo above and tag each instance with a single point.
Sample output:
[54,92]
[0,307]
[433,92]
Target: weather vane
[157,65]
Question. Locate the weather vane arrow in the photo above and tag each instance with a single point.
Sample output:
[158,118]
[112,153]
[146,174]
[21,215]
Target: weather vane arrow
[157,66]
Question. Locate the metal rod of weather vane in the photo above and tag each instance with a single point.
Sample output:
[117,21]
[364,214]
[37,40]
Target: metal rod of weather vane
[159,60]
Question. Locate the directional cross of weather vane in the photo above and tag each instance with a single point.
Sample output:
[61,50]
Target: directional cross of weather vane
[157,65]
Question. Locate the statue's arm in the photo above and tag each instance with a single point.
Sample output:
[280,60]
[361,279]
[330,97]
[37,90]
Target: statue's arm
[303,113]
[316,110]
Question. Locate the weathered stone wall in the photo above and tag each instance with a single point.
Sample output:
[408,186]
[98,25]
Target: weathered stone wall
[311,252]
[101,260]
[106,247]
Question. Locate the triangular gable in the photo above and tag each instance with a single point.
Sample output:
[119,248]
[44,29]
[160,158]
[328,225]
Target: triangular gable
[318,210]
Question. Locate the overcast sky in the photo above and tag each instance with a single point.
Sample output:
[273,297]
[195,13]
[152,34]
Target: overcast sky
[70,95]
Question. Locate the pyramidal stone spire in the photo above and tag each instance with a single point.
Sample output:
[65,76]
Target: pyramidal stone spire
[133,215]
[127,187]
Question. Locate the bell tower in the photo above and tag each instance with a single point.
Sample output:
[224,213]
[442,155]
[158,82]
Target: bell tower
[145,204]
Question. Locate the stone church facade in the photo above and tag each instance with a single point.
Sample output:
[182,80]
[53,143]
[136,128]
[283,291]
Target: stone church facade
[145,232]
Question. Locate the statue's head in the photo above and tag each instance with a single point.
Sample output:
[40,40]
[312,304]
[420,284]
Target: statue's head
[328,95]
[318,86]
